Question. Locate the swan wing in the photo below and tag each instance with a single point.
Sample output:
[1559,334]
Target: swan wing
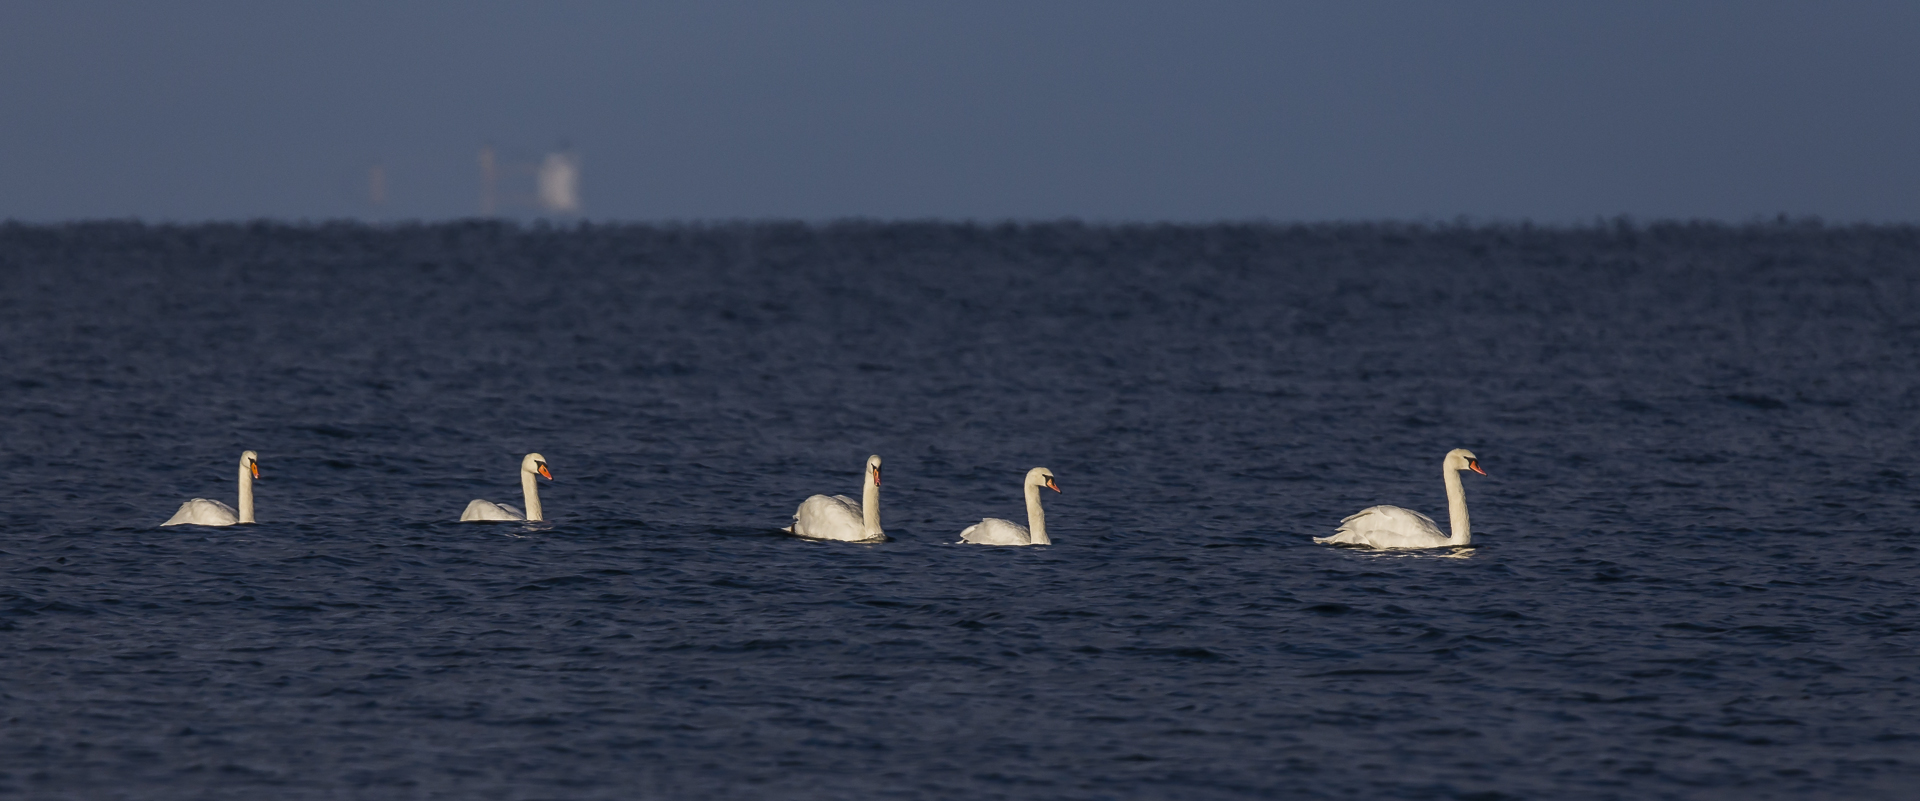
[829,518]
[203,512]
[1387,527]
[488,511]
[994,531]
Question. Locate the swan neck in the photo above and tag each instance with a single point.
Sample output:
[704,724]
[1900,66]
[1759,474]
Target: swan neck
[869,506]
[246,494]
[1457,510]
[1036,518]
[530,489]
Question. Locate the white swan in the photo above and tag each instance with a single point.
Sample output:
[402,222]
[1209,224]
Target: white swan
[488,511]
[838,517]
[202,512]
[994,531]
[1394,527]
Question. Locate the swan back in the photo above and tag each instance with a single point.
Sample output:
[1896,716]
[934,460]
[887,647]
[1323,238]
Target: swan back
[203,512]
[836,517]
[478,510]
[994,531]
[1387,527]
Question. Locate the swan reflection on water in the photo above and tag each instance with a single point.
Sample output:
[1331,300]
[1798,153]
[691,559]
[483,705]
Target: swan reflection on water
[527,528]
[1460,552]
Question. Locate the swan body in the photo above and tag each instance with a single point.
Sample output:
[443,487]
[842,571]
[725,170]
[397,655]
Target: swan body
[994,531]
[531,467]
[489,512]
[1394,527]
[839,517]
[203,512]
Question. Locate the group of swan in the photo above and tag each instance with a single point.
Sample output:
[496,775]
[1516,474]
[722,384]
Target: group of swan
[839,517]
[202,512]
[1389,527]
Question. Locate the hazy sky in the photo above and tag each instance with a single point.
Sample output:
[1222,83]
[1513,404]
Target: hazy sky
[1108,110]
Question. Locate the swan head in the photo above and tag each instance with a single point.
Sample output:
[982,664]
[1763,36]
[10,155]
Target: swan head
[250,462]
[537,465]
[1042,477]
[873,468]
[1463,459]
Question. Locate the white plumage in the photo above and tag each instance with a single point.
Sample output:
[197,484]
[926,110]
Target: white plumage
[1394,527]
[203,512]
[1388,527]
[994,531]
[838,517]
[490,512]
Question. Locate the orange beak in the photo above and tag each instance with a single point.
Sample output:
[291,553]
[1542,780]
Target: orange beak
[1475,467]
[876,478]
[255,467]
[1052,486]
[543,471]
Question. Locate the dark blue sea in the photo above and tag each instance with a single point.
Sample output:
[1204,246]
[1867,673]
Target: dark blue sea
[1694,572]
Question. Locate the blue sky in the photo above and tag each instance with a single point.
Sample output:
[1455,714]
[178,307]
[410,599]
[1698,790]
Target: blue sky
[985,110]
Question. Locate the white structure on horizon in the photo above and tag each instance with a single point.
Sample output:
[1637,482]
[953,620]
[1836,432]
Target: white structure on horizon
[559,183]
[556,183]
